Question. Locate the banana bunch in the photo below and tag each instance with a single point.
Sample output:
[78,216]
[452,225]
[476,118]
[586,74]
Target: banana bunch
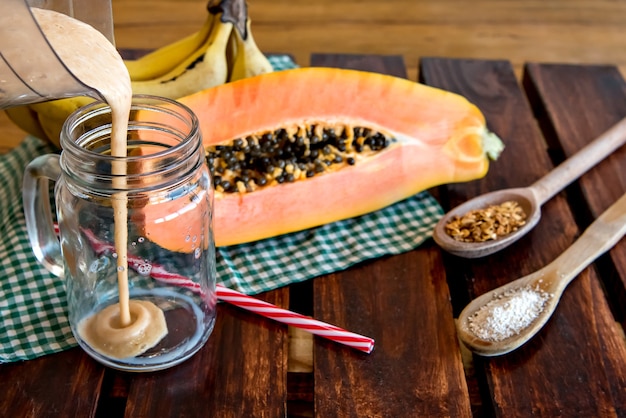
[204,68]
[222,50]
[158,63]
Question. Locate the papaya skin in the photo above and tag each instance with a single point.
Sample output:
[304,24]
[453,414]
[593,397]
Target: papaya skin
[440,140]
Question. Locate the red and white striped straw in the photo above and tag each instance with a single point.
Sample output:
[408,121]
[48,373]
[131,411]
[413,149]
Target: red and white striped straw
[266,309]
[322,329]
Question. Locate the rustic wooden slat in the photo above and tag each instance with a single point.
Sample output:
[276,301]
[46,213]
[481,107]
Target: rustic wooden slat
[595,100]
[242,371]
[65,384]
[548,375]
[385,64]
[403,302]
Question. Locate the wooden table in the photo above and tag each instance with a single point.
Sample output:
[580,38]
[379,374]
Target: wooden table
[565,31]
[575,366]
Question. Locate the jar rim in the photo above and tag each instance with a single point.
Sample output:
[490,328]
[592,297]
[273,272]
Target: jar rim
[101,107]
[167,129]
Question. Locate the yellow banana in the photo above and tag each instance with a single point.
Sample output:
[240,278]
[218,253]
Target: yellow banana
[51,115]
[157,63]
[26,119]
[249,60]
[207,67]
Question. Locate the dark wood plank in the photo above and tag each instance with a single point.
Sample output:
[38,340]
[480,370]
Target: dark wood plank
[64,384]
[577,104]
[384,64]
[549,375]
[595,101]
[403,302]
[242,371]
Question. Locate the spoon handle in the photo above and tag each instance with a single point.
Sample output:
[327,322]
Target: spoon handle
[599,237]
[575,166]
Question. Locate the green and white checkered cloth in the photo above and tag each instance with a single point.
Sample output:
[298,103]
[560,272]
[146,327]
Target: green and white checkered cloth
[32,301]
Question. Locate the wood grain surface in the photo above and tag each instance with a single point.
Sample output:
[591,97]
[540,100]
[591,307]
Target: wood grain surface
[562,31]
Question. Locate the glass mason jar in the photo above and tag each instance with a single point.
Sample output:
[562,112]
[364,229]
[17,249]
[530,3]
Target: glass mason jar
[169,251]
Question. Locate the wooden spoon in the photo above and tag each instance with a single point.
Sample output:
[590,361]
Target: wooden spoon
[599,237]
[529,198]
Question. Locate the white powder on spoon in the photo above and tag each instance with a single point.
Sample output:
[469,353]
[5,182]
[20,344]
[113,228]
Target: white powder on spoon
[508,313]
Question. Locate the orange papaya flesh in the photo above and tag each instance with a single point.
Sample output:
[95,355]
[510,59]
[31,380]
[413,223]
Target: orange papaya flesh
[186,235]
[157,222]
[431,137]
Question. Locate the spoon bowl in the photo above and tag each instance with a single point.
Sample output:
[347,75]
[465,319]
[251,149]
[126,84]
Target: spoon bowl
[549,282]
[489,348]
[529,198]
[524,196]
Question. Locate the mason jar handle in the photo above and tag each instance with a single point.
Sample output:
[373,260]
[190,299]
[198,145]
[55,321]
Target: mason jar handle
[38,213]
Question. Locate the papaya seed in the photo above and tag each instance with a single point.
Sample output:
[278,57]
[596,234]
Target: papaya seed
[286,155]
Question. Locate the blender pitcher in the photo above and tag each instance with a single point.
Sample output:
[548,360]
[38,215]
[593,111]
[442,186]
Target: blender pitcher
[26,58]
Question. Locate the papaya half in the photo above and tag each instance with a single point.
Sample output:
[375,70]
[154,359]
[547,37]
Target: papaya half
[299,148]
